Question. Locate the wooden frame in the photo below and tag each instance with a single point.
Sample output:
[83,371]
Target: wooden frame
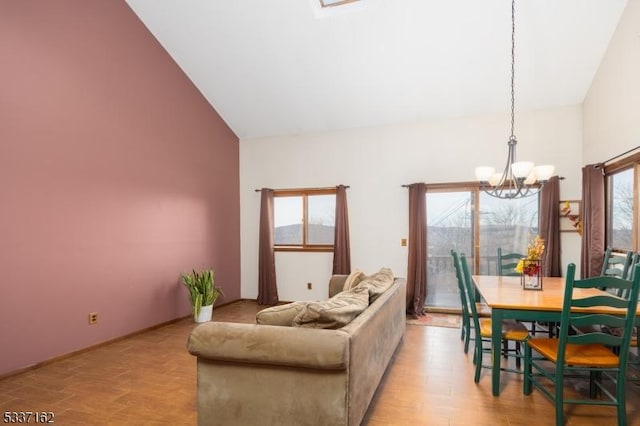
[304,193]
[570,219]
[324,3]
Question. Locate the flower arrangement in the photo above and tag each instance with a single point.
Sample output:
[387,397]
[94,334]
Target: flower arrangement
[530,265]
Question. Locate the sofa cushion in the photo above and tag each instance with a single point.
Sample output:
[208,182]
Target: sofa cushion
[353,280]
[334,313]
[377,283]
[282,315]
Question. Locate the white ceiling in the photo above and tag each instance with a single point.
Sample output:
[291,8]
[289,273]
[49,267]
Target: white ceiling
[284,67]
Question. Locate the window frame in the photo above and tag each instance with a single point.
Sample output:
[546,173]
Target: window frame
[622,165]
[475,188]
[304,193]
[335,4]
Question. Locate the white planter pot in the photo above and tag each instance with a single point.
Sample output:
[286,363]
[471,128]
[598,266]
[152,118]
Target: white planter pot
[206,312]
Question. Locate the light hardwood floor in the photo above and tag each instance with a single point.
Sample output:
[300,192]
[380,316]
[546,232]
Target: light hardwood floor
[150,379]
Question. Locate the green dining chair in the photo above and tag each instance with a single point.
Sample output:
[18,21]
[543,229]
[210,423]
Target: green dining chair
[595,356]
[465,327]
[507,263]
[511,330]
[614,265]
[634,362]
[482,309]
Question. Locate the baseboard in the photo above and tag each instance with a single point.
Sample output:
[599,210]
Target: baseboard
[107,342]
[89,348]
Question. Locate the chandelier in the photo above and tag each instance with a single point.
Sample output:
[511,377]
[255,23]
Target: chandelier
[518,178]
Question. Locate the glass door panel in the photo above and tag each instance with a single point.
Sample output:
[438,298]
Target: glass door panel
[509,224]
[449,226]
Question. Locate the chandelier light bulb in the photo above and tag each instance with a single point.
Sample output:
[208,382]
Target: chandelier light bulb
[544,173]
[483,173]
[494,179]
[531,179]
[522,169]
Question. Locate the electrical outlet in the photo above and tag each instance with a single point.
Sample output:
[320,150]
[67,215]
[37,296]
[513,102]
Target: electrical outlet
[309,286]
[93,318]
[403,242]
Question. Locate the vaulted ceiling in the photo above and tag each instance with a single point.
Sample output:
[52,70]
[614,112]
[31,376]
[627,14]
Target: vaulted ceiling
[276,67]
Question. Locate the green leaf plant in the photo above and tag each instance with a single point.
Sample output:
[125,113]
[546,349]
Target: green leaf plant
[202,290]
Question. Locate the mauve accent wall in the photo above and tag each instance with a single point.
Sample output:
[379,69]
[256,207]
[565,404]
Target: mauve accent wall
[116,175]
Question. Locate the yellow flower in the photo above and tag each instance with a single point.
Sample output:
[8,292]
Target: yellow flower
[535,249]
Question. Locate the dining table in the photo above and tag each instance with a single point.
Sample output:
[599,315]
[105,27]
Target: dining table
[509,300]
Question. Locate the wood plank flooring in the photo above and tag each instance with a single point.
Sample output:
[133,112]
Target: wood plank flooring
[150,379]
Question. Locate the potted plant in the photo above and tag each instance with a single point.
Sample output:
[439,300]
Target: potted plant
[203,293]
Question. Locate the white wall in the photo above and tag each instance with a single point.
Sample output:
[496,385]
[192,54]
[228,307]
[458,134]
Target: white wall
[612,106]
[375,162]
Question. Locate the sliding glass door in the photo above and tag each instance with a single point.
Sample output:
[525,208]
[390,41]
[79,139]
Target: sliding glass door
[462,218]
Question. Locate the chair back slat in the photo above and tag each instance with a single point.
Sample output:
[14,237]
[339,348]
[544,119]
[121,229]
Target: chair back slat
[588,302]
[591,338]
[608,320]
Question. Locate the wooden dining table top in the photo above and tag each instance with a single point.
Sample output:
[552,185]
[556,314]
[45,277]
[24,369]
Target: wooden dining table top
[507,293]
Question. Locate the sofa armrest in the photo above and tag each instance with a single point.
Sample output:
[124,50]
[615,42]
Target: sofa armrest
[336,283]
[274,345]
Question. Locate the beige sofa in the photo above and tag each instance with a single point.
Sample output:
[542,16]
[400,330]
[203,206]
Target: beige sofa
[254,374]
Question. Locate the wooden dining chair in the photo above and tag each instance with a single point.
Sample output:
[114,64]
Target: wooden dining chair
[615,265]
[465,327]
[633,362]
[482,309]
[634,260]
[507,263]
[511,330]
[595,356]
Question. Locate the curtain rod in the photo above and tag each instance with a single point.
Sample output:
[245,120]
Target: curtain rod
[620,155]
[307,189]
[409,185]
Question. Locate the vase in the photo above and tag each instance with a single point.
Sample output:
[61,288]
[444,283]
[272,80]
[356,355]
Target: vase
[532,274]
[206,312]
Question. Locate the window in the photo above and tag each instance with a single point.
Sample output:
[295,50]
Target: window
[461,217]
[620,210]
[621,180]
[304,219]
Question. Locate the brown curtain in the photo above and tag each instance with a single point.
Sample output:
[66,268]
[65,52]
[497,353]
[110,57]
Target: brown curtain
[550,227]
[267,289]
[593,220]
[341,249]
[417,270]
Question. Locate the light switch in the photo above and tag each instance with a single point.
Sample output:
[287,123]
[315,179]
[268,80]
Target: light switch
[403,242]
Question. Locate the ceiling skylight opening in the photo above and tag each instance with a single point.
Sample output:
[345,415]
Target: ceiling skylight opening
[332,3]
[328,8]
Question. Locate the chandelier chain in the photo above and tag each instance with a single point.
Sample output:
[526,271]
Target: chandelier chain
[513,66]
